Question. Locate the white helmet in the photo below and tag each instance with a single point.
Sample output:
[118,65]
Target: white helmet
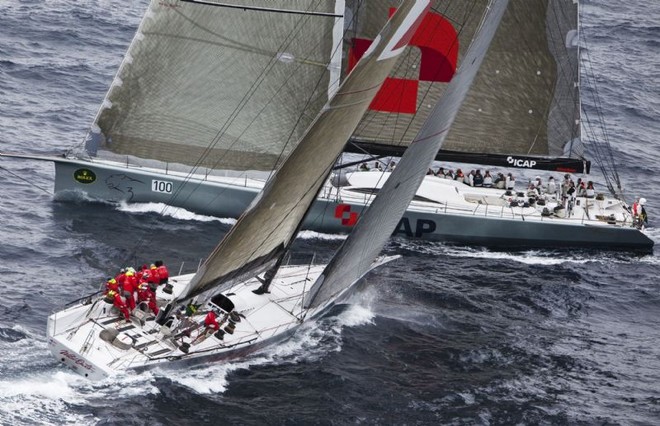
[642,201]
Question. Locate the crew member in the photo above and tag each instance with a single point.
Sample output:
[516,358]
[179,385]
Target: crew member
[211,322]
[128,289]
[111,284]
[154,276]
[163,273]
[118,303]
[146,295]
[639,213]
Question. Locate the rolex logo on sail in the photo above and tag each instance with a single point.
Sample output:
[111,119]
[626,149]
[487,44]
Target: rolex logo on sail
[519,162]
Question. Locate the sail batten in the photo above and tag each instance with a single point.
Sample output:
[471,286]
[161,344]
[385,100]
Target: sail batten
[262,9]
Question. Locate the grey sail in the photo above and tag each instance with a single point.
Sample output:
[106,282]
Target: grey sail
[271,222]
[524,100]
[368,237]
[219,87]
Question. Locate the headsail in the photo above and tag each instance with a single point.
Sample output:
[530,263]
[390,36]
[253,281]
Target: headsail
[270,223]
[368,237]
[220,87]
[523,104]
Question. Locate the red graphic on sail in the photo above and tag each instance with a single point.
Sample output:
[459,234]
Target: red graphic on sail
[437,40]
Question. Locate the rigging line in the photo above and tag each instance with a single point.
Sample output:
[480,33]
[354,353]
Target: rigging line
[252,90]
[599,146]
[26,181]
[598,155]
[603,128]
[263,9]
[595,95]
[572,74]
[289,39]
[561,72]
[311,99]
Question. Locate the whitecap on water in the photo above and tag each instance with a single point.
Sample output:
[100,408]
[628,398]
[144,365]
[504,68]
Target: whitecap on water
[529,257]
[42,398]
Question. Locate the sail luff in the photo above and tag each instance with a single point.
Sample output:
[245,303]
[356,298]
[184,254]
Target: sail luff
[269,224]
[355,256]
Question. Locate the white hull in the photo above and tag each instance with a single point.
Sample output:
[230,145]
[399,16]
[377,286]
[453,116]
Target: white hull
[75,339]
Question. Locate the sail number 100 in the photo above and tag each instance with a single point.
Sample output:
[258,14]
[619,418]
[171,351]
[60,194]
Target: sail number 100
[161,186]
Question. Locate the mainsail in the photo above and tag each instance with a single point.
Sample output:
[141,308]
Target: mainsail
[220,87]
[523,104]
[265,230]
[210,84]
[355,256]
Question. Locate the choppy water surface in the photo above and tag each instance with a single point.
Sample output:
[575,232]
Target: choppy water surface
[446,335]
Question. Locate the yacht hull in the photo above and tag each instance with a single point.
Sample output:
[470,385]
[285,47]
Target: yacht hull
[76,334]
[335,212]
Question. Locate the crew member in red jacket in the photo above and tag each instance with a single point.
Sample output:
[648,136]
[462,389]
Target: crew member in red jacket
[121,276]
[154,276]
[118,303]
[111,284]
[163,273]
[146,295]
[129,288]
[211,322]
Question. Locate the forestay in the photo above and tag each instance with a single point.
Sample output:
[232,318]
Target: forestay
[267,227]
[368,237]
[220,87]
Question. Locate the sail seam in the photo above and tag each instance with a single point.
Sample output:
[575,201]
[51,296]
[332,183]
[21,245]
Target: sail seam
[264,9]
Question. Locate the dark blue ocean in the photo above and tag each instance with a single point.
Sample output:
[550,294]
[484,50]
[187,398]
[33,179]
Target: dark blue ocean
[445,335]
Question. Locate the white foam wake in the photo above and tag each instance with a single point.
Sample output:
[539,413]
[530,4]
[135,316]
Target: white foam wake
[174,212]
[312,341]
